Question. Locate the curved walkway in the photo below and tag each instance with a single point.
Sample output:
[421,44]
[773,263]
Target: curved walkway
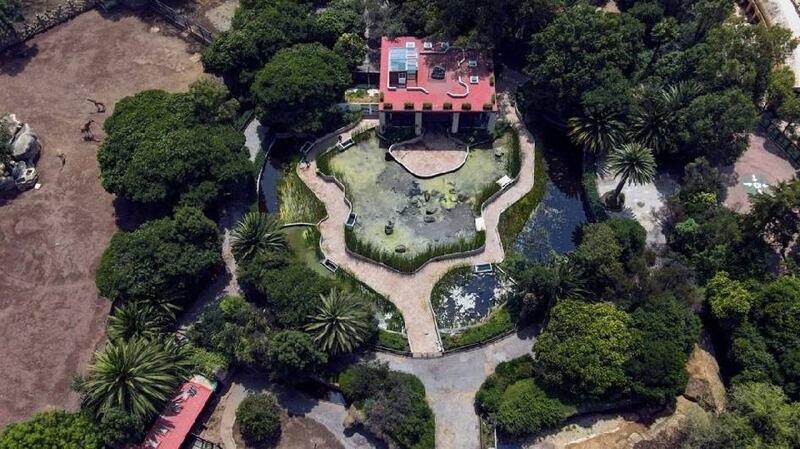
[411,293]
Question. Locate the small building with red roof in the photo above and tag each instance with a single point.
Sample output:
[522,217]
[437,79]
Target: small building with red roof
[426,84]
[172,426]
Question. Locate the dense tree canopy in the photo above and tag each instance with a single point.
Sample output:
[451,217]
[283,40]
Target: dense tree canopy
[54,429]
[299,88]
[165,259]
[165,148]
[584,348]
[259,418]
[10,12]
[293,355]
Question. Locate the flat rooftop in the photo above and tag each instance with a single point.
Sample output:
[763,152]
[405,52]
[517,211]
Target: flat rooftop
[467,75]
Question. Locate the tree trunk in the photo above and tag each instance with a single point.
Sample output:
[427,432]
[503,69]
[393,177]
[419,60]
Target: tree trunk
[618,190]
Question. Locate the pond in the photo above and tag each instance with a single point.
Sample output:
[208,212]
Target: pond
[277,161]
[552,225]
[463,298]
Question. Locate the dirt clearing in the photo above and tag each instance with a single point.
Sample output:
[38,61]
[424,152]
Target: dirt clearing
[51,239]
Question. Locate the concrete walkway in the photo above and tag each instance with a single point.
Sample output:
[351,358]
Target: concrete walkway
[452,381]
[411,293]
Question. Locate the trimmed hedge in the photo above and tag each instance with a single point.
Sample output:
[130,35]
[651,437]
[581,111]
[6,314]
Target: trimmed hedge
[513,219]
[499,322]
[410,263]
[392,340]
[514,162]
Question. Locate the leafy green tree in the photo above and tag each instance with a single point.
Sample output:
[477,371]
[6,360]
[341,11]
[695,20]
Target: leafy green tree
[715,125]
[729,299]
[299,88]
[142,319]
[53,429]
[341,323]
[352,48]
[212,102]
[170,256]
[160,153]
[259,418]
[781,97]
[339,17]
[632,163]
[573,49]
[136,376]
[750,357]
[542,285]
[10,12]
[599,257]
[631,236]
[668,330]
[288,287]
[258,30]
[294,355]
[6,152]
[257,232]
[490,395]
[596,131]
[119,428]
[776,215]
[235,329]
[526,409]
[584,349]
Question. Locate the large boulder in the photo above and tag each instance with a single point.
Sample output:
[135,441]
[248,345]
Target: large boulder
[26,146]
[11,124]
[7,183]
[705,385]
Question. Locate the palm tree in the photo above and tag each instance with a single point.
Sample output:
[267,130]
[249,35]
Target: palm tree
[653,121]
[143,319]
[342,322]
[632,163]
[136,376]
[596,131]
[257,232]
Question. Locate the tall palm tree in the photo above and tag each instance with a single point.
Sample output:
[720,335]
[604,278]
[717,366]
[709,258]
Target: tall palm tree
[136,376]
[257,232]
[342,322]
[143,319]
[632,163]
[653,121]
[596,131]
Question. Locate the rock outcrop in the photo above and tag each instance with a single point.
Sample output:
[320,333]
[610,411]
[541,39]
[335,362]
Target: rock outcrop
[19,173]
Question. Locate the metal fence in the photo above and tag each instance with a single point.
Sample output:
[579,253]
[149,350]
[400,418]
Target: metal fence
[781,139]
[183,22]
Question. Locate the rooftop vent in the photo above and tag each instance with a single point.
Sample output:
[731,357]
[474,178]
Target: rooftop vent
[472,63]
[410,45]
[427,45]
[473,79]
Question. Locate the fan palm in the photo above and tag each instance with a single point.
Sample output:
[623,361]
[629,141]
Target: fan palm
[596,131]
[632,163]
[257,232]
[136,376]
[342,322]
[143,319]
[653,122]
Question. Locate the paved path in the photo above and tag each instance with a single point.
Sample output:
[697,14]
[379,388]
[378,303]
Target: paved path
[411,293]
[452,381]
[230,212]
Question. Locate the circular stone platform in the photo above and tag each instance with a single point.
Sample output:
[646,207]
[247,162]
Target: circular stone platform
[431,155]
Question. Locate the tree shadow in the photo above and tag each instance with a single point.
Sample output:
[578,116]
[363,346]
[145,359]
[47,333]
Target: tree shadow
[129,215]
[16,58]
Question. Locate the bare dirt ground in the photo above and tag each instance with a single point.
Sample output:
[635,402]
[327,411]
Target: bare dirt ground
[51,239]
[215,15]
[762,159]
[296,432]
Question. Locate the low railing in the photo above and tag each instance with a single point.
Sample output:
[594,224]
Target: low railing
[183,22]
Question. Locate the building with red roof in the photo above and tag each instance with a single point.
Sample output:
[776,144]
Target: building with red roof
[171,428]
[428,84]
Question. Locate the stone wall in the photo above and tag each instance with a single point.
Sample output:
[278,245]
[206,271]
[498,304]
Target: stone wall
[45,20]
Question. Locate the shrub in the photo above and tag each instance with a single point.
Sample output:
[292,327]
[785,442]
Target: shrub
[483,195]
[525,408]
[393,403]
[206,362]
[259,418]
[466,106]
[427,106]
[487,106]
[490,394]
[514,162]
[491,80]
[167,259]
[498,323]
[408,105]
[392,340]
[387,106]
[380,96]
[53,429]
[494,98]
[513,219]
[589,183]
[293,355]
[447,106]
